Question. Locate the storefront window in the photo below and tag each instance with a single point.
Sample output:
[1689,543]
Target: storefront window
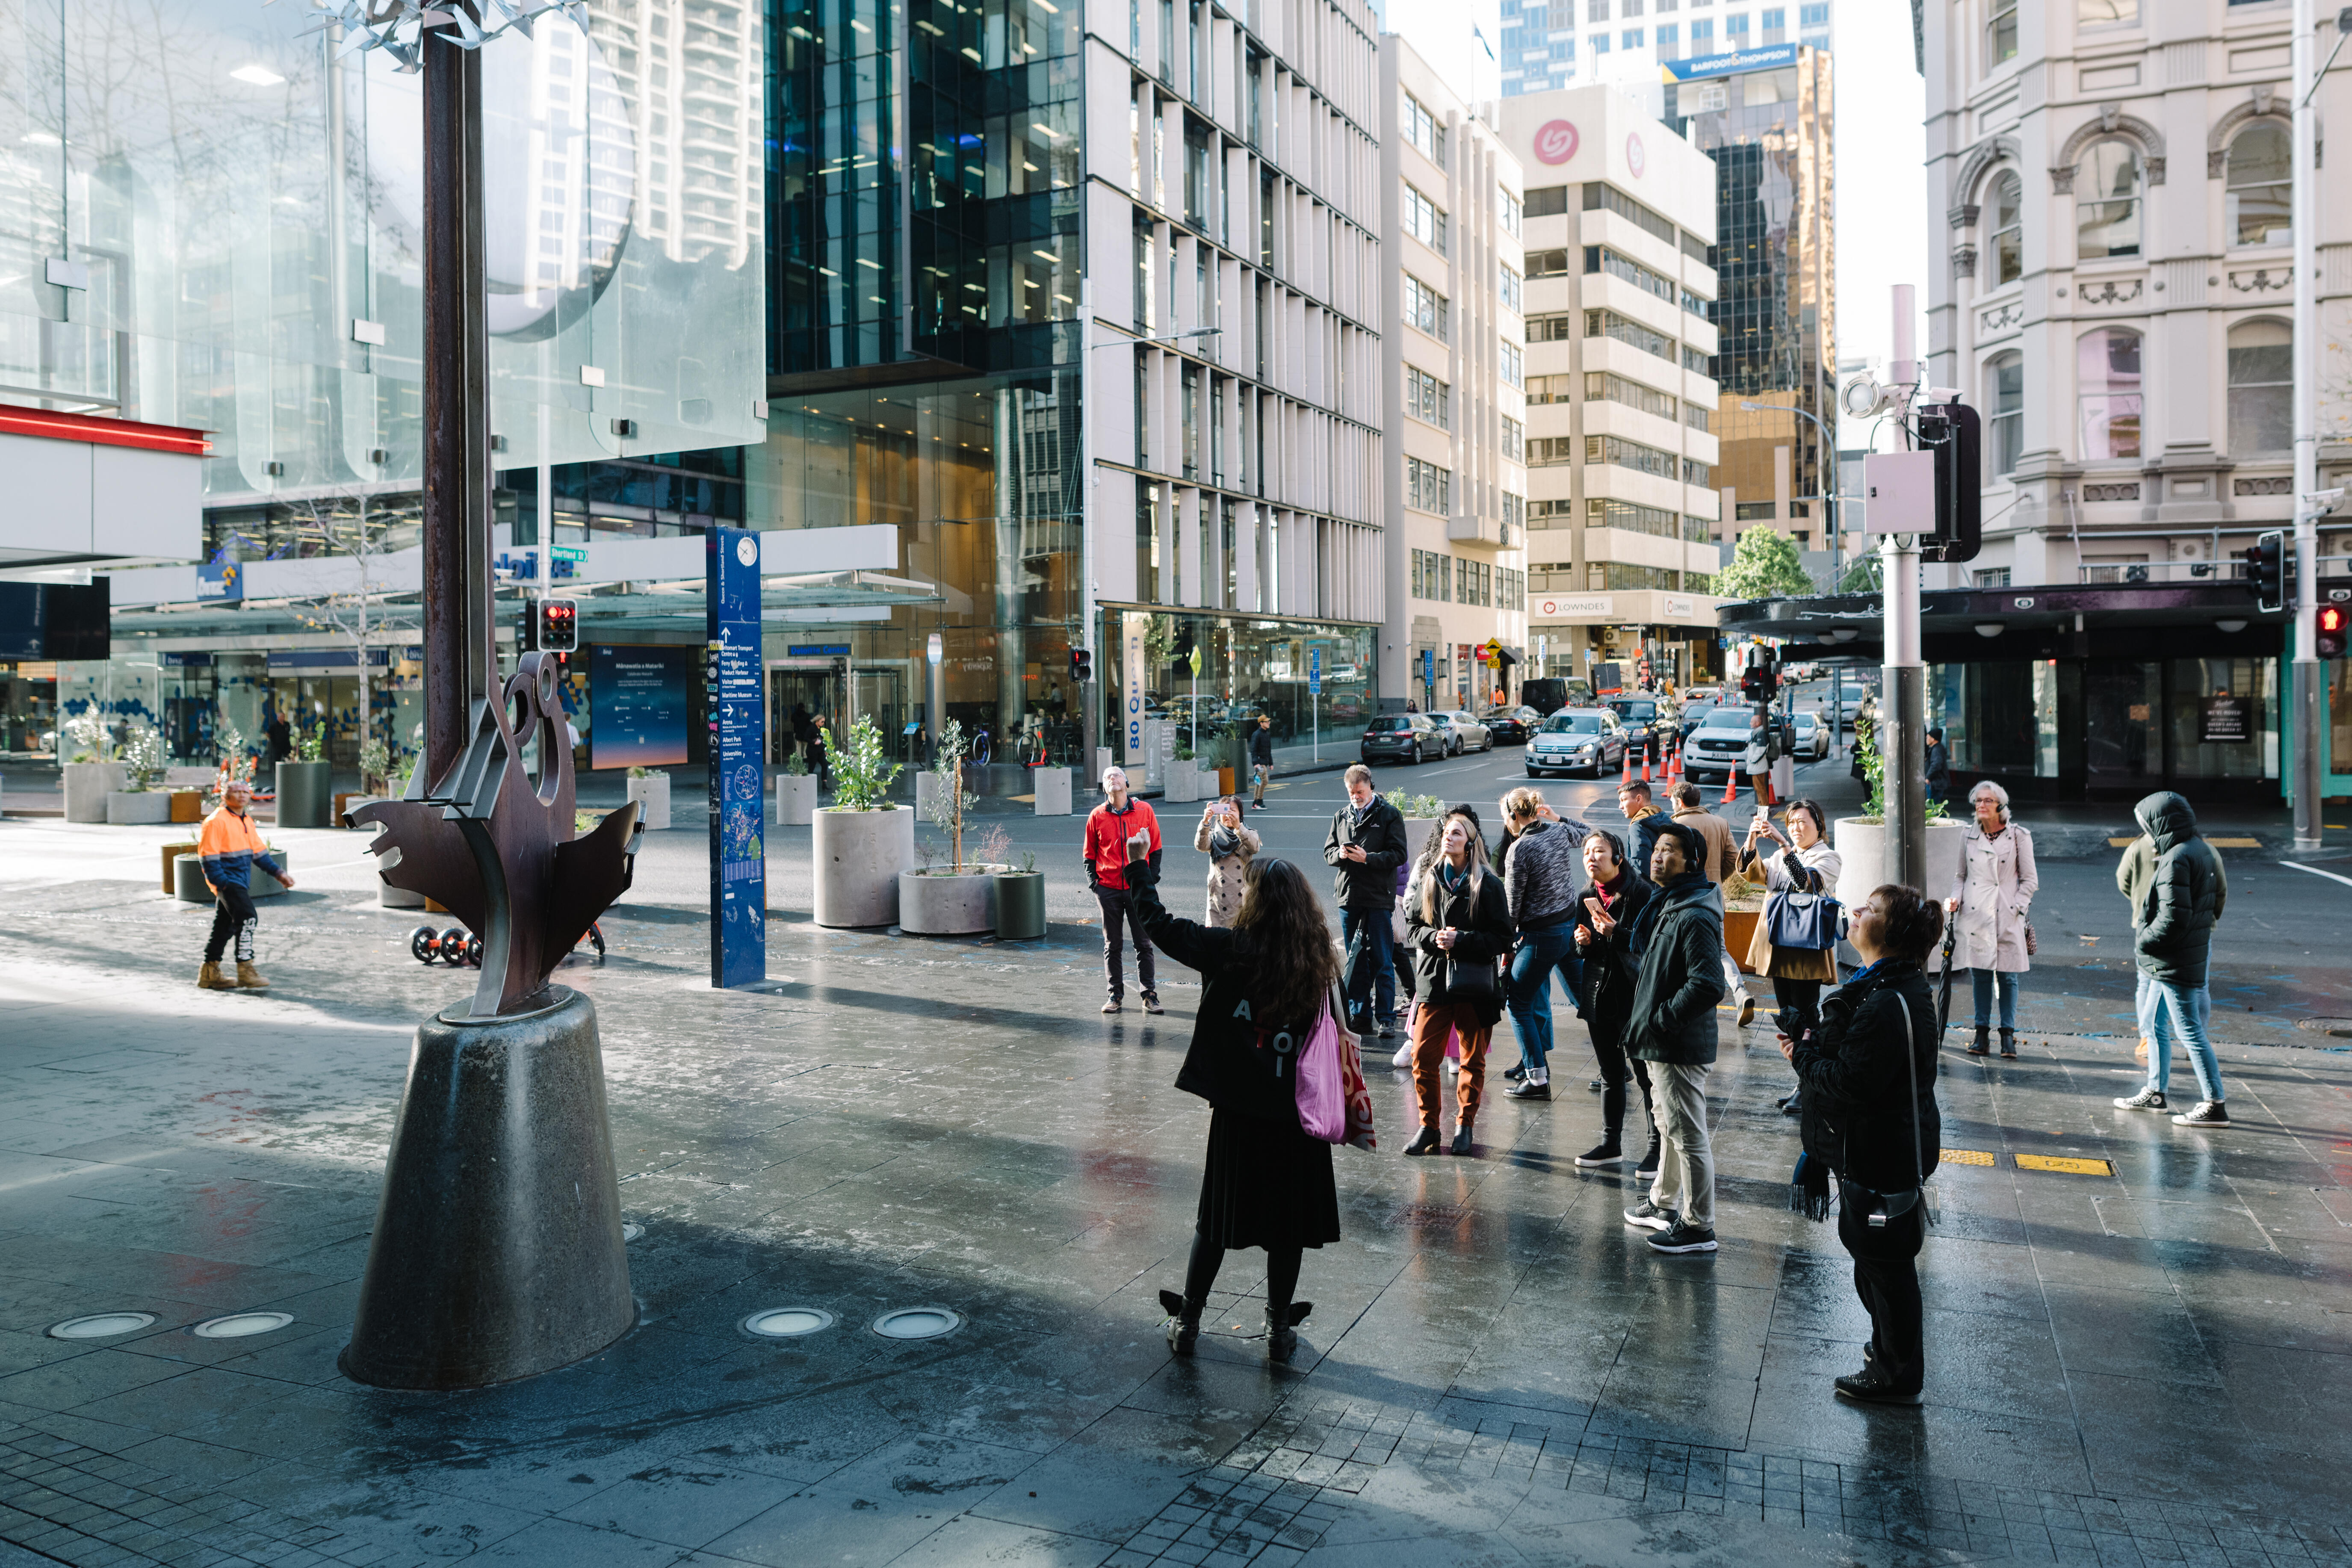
[2224,718]
[2000,718]
[2122,707]
[1248,666]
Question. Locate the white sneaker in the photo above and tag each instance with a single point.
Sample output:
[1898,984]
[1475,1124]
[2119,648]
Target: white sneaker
[1403,1058]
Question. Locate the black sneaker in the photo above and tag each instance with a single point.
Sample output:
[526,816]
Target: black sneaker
[1601,1155]
[1524,1090]
[1683,1237]
[2204,1113]
[1648,1162]
[1647,1216]
[1872,1385]
[1515,1073]
[2146,1100]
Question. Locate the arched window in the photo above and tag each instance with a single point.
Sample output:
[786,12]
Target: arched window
[2106,202]
[2008,230]
[2106,389]
[2261,376]
[2000,32]
[2005,395]
[2259,211]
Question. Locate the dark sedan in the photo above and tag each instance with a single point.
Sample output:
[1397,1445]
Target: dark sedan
[1648,725]
[1510,725]
[1402,738]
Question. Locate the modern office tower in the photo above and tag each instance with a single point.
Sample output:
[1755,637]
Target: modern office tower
[1766,120]
[2110,283]
[1619,216]
[1559,43]
[1453,354]
[1180,453]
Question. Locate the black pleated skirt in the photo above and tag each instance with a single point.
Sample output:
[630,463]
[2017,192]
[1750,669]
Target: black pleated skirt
[1266,1184]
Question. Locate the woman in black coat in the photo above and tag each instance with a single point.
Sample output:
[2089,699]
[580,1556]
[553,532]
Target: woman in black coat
[1612,901]
[1458,925]
[1870,1117]
[1265,980]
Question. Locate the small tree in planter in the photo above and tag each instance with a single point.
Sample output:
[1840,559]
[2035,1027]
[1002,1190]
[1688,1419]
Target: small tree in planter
[948,805]
[142,768]
[305,782]
[862,841]
[961,898]
[91,772]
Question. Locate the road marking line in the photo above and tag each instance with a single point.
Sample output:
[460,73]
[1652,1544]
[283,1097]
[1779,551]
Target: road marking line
[2317,872]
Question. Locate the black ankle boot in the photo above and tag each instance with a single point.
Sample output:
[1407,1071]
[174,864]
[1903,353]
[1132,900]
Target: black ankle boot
[1425,1144]
[1282,1329]
[1183,1322]
[2009,1042]
[1983,1043]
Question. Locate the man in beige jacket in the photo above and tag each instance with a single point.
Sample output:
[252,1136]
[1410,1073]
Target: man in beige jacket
[1722,861]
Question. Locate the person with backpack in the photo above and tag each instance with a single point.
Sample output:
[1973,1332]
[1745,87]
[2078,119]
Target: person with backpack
[1541,866]
[1266,1181]
[1870,1121]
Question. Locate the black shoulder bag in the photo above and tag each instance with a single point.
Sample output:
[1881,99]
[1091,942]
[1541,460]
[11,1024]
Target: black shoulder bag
[1878,1208]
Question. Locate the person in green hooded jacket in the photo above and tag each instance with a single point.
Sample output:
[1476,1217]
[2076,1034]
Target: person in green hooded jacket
[2172,947]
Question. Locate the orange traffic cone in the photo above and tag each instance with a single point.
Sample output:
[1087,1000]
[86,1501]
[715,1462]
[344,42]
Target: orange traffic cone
[1730,786]
[1627,776]
[1645,764]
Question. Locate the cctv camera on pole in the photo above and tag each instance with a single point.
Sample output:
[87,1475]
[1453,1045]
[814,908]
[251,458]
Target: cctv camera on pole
[1903,490]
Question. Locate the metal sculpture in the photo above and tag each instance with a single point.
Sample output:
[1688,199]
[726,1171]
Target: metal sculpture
[398,26]
[495,847]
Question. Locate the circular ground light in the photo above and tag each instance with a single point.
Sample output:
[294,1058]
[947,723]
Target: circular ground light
[631,1232]
[241,1325]
[104,1325]
[917,1323]
[787,1323]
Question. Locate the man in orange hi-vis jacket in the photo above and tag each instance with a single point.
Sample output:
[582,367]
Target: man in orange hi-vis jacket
[231,847]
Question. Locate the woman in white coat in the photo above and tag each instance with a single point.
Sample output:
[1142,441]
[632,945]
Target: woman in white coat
[1991,902]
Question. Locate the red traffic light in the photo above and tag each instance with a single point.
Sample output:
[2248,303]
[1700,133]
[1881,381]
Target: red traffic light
[2330,644]
[559,625]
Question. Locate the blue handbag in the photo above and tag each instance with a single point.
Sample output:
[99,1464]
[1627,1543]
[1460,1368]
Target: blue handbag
[1809,920]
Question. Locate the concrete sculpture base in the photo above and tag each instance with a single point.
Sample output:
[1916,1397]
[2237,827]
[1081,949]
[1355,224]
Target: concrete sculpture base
[498,1251]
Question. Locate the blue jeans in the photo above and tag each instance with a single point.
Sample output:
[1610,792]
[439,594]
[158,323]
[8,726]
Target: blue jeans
[1372,963]
[2182,1008]
[1983,981]
[1540,954]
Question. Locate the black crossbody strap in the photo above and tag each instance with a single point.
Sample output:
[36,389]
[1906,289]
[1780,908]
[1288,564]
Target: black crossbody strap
[1911,1071]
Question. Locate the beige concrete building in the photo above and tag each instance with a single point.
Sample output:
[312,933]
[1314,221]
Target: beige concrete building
[1622,504]
[1452,358]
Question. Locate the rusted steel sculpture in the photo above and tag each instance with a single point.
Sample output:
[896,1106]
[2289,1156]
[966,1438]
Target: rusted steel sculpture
[495,848]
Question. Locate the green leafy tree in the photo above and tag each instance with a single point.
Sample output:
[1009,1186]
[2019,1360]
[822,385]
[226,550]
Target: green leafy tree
[1763,566]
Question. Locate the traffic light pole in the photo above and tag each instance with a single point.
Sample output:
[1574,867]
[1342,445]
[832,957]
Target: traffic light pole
[2310,726]
[1902,724]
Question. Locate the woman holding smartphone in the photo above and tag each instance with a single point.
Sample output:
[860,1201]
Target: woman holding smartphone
[1797,861]
[1604,922]
[1229,846]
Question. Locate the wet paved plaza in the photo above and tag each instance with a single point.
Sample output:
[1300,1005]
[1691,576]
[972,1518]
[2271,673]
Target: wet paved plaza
[2147,1359]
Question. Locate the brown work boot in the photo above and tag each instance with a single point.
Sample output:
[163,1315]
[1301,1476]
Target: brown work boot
[209,978]
[249,978]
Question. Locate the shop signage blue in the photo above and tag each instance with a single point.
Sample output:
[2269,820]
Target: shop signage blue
[733,674]
[1731,64]
[219,580]
[818,649]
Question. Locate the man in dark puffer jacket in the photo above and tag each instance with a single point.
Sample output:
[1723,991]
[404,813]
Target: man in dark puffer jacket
[2173,944]
[1679,946]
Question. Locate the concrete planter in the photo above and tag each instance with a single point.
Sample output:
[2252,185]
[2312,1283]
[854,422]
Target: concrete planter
[857,856]
[1861,848]
[651,794]
[1213,783]
[1020,905]
[1052,790]
[943,904]
[388,897]
[1183,781]
[795,799]
[86,786]
[188,884]
[137,808]
[306,794]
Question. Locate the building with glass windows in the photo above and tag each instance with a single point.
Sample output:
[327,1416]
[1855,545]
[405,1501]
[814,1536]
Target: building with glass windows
[1550,44]
[1622,450]
[1765,117]
[1455,360]
[2108,286]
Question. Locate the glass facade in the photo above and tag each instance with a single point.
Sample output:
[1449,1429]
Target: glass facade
[1249,665]
[247,227]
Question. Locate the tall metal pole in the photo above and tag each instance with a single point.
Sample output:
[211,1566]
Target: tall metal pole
[2310,726]
[1903,722]
[1087,697]
[460,649]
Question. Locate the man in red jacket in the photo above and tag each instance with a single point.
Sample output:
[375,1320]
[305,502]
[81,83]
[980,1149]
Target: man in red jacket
[1122,817]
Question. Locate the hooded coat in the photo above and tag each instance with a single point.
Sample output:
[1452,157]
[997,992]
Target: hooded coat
[2174,936]
[1680,937]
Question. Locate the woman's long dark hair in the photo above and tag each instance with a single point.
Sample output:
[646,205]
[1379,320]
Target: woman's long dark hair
[1297,961]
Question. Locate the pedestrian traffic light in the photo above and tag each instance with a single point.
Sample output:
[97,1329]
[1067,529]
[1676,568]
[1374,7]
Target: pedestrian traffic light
[1082,665]
[1759,680]
[2267,570]
[1952,431]
[559,625]
[2330,644]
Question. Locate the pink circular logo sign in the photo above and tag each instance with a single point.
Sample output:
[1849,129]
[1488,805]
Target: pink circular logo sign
[1635,158]
[1556,143]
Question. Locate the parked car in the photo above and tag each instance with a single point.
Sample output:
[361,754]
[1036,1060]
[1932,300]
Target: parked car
[1702,694]
[1469,734]
[1647,722]
[1510,725]
[1402,738]
[1715,747]
[1849,704]
[1691,717]
[1577,740]
[1811,741]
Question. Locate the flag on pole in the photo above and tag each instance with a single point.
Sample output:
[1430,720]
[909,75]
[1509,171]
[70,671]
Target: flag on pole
[1481,37]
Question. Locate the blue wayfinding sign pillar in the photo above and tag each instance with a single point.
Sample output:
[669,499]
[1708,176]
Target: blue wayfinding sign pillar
[732,673]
